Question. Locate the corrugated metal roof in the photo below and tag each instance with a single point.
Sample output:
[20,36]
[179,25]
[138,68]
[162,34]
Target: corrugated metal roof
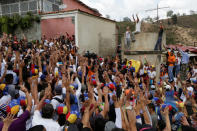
[184,48]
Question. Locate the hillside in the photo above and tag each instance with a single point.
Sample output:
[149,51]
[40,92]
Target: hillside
[184,32]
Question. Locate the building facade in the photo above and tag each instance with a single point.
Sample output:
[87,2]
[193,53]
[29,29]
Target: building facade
[21,7]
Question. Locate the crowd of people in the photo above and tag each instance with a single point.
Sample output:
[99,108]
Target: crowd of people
[48,85]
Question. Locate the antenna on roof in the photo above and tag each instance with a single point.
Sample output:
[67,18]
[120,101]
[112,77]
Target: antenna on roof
[158,8]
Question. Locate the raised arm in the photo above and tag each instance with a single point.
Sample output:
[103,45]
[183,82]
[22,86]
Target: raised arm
[106,106]
[40,104]
[133,18]
[137,18]
[28,97]
[4,74]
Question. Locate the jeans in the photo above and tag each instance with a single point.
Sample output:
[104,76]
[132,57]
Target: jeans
[158,44]
[128,43]
[170,73]
[177,69]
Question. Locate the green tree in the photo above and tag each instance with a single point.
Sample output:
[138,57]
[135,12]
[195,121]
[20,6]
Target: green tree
[149,19]
[170,13]
[126,19]
[192,12]
[108,16]
[174,19]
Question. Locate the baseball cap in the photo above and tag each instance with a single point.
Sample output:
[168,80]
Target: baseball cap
[75,85]
[62,109]
[22,100]
[13,107]
[168,87]
[152,86]
[190,89]
[58,89]
[71,118]
[180,104]
[194,81]
[2,86]
[109,126]
[12,91]
[111,86]
[47,101]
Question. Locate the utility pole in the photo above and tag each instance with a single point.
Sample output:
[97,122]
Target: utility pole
[158,8]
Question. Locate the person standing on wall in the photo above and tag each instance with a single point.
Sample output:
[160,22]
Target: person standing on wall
[184,63]
[178,64]
[128,38]
[171,63]
[137,28]
[159,41]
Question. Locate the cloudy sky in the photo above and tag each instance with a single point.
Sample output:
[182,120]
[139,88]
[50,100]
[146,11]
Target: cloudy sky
[118,9]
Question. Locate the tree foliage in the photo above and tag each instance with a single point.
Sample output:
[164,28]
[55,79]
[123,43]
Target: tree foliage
[174,19]
[149,19]
[126,19]
[10,24]
[170,13]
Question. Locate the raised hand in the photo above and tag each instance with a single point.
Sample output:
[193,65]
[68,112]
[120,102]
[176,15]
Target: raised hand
[23,89]
[184,121]
[105,90]
[7,121]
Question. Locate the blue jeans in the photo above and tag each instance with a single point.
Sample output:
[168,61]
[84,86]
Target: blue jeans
[158,44]
[170,73]
[177,71]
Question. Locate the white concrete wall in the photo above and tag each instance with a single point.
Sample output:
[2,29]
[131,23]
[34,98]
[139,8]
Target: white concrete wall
[145,42]
[95,34]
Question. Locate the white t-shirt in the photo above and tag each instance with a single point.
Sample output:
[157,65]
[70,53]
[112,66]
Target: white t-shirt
[138,27]
[178,61]
[128,35]
[49,124]
[152,75]
[118,121]
[51,44]
[54,102]
[141,71]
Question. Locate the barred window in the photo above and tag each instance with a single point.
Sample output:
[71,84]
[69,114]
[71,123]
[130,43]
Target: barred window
[14,8]
[24,6]
[33,5]
[5,9]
